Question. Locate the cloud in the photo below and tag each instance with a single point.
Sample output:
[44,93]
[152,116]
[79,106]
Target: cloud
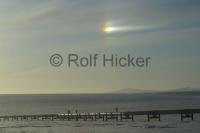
[20,17]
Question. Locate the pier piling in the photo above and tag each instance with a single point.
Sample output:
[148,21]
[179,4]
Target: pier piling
[105,116]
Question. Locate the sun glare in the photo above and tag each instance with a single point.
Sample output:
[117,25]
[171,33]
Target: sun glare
[109,29]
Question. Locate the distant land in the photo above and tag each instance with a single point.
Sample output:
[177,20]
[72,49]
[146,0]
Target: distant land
[184,90]
[130,90]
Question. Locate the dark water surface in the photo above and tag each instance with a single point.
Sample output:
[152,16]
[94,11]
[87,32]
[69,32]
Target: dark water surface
[60,103]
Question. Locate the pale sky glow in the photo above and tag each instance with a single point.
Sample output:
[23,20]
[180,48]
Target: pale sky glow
[32,30]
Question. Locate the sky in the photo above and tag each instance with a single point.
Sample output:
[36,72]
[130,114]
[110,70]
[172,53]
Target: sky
[165,30]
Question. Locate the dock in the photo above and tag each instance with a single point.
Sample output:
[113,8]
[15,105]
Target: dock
[104,116]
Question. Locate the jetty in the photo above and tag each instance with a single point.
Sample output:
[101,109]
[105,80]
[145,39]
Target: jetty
[104,116]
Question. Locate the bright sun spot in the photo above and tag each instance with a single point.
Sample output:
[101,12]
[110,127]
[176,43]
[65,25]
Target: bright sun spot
[109,29]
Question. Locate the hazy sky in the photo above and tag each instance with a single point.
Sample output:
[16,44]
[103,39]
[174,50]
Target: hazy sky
[32,30]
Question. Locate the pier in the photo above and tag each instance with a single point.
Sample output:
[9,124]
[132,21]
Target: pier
[104,116]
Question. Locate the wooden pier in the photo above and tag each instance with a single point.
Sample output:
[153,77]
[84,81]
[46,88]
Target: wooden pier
[104,116]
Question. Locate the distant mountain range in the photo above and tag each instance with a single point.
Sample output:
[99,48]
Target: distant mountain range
[131,90]
[184,90]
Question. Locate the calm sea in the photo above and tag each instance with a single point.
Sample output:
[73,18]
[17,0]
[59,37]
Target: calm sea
[60,103]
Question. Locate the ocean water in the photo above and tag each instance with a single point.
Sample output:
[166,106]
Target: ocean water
[61,103]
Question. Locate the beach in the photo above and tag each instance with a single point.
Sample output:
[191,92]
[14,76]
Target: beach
[60,103]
